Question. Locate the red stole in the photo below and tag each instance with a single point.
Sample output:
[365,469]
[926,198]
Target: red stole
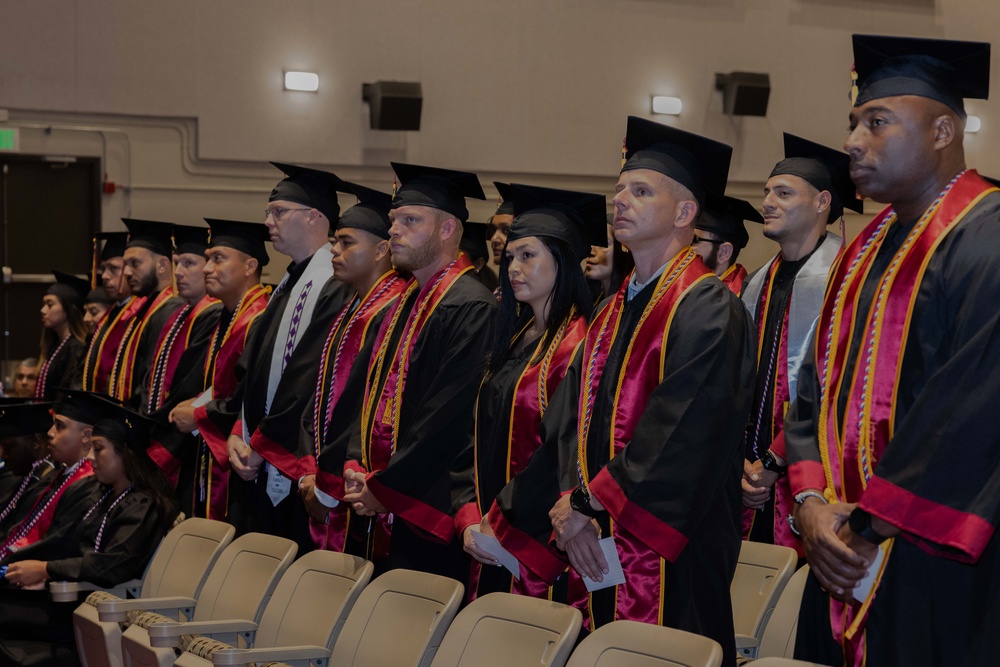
[220,375]
[640,374]
[168,352]
[851,445]
[733,278]
[122,374]
[104,346]
[22,535]
[383,401]
[344,342]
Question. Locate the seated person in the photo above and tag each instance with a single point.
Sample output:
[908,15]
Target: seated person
[130,509]
[23,443]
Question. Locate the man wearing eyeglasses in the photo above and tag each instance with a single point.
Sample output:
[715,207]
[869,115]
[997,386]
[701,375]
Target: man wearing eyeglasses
[719,235]
[806,191]
[281,359]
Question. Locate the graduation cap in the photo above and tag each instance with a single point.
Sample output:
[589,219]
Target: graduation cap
[944,70]
[370,214]
[724,216]
[444,189]
[80,406]
[505,207]
[824,169]
[20,417]
[116,421]
[154,236]
[578,218]
[70,289]
[247,237]
[310,187]
[114,244]
[473,241]
[190,240]
[698,163]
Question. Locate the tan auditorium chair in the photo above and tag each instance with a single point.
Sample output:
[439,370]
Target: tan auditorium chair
[398,621]
[180,566]
[761,575]
[502,629]
[633,644]
[303,617]
[239,585]
[779,637]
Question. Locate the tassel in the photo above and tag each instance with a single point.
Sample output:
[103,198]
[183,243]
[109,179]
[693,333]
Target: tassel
[624,150]
[393,187]
[173,266]
[854,85]
[93,266]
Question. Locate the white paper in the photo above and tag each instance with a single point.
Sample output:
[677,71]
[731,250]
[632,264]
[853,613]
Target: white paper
[864,587]
[203,398]
[615,575]
[492,546]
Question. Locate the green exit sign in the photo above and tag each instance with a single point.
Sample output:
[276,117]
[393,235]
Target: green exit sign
[9,140]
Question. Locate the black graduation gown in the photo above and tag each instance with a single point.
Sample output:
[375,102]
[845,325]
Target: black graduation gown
[250,507]
[66,369]
[130,535]
[445,370]
[683,464]
[147,345]
[188,382]
[933,606]
[68,511]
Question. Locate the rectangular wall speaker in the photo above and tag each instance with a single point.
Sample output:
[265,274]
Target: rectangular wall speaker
[393,105]
[744,93]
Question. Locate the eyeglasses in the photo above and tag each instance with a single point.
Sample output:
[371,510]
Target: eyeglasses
[699,239]
[277,212]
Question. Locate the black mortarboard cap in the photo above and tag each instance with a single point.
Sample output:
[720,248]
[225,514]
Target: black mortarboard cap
[149,234]
[506,206]
[310,187]
[724,216]
[444,189]
[370,214]
[247,237]
[114,244]
[823,168]
[944,70]
[473,241]
[578,218]
[80,406]
[190,240]
[117,421]
[70,289]
[698,163]
[24,417]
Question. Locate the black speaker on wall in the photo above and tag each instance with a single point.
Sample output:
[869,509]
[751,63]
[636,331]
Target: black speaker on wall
[393,105]
[744,93]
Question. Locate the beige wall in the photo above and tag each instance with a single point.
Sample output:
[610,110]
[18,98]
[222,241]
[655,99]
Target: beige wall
[531,90]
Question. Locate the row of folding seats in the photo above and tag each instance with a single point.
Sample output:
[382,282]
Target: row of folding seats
[309,608]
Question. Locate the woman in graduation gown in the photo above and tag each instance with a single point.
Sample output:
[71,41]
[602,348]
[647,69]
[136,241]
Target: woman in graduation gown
[544,309]
[131,509]
[63,337]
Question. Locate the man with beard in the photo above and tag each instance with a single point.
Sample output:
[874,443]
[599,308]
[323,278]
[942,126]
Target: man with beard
[804,194]
[429,359]
[720,235]
[895,457]
[177,372]
[149,272]
[282,357]
[235,256]
[107,338]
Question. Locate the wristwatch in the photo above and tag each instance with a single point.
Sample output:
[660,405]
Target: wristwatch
[579,500]
[860,522]
[771,463]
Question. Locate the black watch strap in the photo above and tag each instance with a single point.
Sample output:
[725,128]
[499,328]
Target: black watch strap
[860,523]
[770,463]
[579,500]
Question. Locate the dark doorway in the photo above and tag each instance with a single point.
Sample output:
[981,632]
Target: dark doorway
[49,210]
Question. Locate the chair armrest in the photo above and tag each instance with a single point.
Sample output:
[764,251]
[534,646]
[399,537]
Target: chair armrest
[68,591]
[165,635]
[747,646]
[117,610]
[243,656]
